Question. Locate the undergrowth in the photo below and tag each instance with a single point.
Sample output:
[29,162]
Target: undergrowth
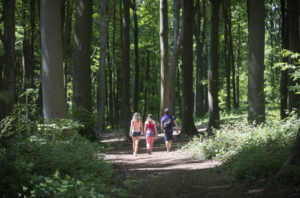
[250,151]
[52,160]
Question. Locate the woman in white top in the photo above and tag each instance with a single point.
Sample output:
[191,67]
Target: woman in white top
[136,130]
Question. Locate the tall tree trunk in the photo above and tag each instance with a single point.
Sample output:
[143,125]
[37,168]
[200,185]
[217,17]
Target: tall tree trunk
[200,74]
[110,100]
[67,52]
[256,97]
[82,87]
[213,102]
[238,68]
[188,125]
[146,83]
[164,53]
[126,69]
[102,76]
[227,55]
[203,70]
[284,73]
[54,103]
[233,79]
[294,41]
[136,59]
[32,40]
[9,38]
[175,54]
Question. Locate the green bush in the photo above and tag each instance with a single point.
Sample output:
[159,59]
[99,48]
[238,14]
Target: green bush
[250,150]
[52,160]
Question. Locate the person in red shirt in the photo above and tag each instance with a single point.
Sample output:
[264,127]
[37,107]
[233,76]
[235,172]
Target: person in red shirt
[151,132]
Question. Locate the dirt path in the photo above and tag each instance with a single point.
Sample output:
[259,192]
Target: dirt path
[175,174]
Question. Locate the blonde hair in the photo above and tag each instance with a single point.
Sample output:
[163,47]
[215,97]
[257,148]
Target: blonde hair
[136,116]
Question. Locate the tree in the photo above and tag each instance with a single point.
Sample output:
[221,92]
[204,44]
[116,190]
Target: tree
[125,69]
[294,44]
[136,58]
[164,53]
[283,73]
[54,104]
[8,41]
[188,125]
[213,102]
[102,75]
[199,107]
[177,38]
[256,98]
[82,95]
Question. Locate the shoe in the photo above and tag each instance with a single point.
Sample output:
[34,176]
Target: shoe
[167,150]
[134,153]
[148,151]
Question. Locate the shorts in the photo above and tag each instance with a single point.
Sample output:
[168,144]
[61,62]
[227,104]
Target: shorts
[135,134]
[168,135]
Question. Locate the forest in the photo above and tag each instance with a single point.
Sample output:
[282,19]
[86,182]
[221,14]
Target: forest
[73,73]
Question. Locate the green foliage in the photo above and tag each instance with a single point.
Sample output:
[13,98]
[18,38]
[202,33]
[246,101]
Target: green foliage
[250,150]
[51,160]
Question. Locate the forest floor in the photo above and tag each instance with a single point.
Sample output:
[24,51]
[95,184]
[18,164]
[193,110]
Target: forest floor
[177,174]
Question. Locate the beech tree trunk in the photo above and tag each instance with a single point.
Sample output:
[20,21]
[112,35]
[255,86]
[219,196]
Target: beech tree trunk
[82,86]
[227,56]
[54,103]
[200,73]
[284,73]
[102,76]
[188,125]
[164,52]
[126,69]
[136,59]
[213,101]
[177,38]
[8,40]
[256,97]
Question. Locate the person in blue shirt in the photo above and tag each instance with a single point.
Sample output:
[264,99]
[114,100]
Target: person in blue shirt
[167,126]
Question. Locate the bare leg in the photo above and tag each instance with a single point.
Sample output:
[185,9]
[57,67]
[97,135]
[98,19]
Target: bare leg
[137,143]
[133,143]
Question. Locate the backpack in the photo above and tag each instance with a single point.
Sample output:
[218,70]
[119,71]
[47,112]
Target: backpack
[150,128]
[168,124]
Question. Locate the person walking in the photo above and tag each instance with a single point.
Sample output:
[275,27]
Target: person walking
[136,130]
[151,132]
[167,124]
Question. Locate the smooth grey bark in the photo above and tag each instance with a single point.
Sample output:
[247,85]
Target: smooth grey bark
[227,56]
[256,97]
[238,68]
[126,70]
[188,125]
[8,41]
[102,76]
[54,103]
[146,82]
[164,59]
[177,38]
[82,86]
[231,55]
[213,101]
[136,59]
[199,108]
[284,73]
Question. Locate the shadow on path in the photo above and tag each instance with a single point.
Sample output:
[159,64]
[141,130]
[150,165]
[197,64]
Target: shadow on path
[174,174]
